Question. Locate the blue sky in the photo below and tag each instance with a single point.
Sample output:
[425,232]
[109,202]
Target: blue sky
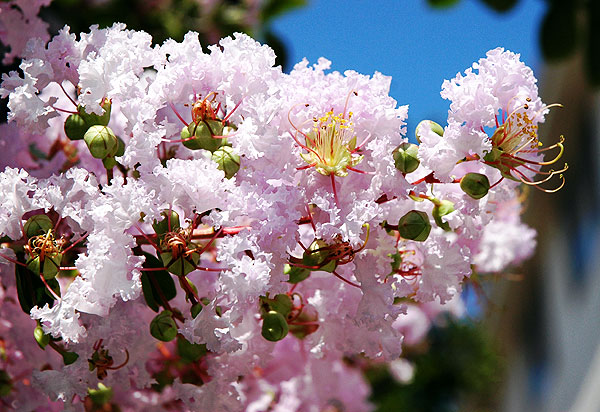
[406,39]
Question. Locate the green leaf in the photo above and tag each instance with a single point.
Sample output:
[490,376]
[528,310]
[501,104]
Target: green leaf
[5,383]
[296,274]
[439,4]
[31,291]
[69,357]
[196,309]
[558,34]
[190,352]
[501,6]
[273,8]
[162,278]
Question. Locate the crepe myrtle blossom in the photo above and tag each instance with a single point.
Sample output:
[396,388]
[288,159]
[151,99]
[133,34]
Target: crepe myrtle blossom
[191,230]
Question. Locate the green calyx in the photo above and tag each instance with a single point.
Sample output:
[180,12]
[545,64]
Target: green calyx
[476,185]
[168,223]
[414,226]
[180,265]
[37,225]
[47,264]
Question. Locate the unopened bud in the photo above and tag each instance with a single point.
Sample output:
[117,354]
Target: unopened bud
[100,396]
[406,157]
[436,128]
[414,226]
[163,326]
[37,225]
[475,185]
[40,337]
[227,161]
[101,141]
[75,127]
[274,327]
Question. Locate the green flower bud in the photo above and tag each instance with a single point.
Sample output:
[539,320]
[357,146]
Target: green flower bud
[163,326]
[100,396]
[201,135]
[442,208]
[295,273]
[436,128]
[75,127]
[166,224]
[37,225]
[414,226]
[475,185]
[69,357]
[92,119]
[274,327]
[227,161]
[101,141]
[406,157]
[48,265]
[40,337]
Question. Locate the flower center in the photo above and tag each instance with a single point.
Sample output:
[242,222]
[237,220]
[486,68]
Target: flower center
[331,145]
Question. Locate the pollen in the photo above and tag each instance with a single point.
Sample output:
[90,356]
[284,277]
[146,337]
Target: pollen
[331,145]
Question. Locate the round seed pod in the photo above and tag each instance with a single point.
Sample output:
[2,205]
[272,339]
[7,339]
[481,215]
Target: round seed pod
[75,127]
[436,128]
[101,141]
[406,157]
[163,326]
[227,161]
[476,185]
[274,327]
[414,226]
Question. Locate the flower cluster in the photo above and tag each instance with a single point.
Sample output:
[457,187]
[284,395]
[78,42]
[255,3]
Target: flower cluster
[201,230]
